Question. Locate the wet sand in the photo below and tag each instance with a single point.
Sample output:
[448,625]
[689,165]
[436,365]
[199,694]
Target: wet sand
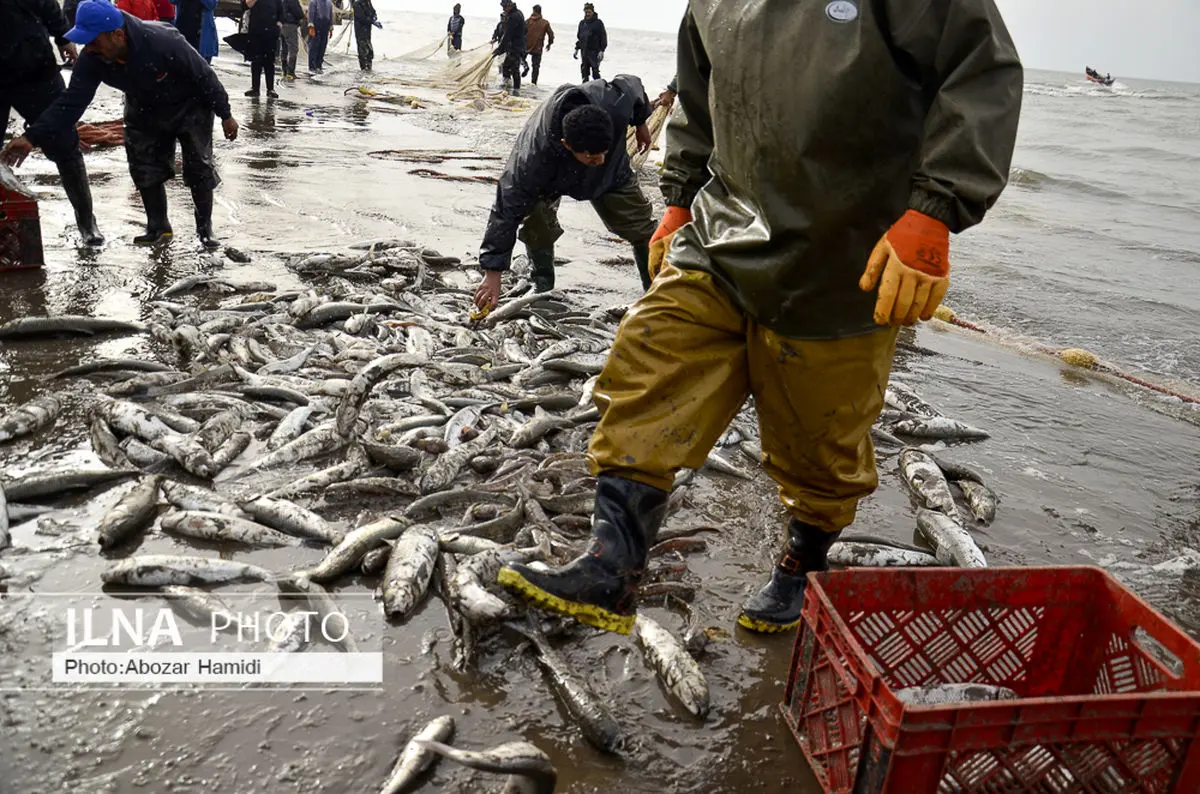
[1087,473]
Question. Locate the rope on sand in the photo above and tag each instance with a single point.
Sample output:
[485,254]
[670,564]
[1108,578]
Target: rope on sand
[431,156]
[1075,357]
[656,122]
[429,173]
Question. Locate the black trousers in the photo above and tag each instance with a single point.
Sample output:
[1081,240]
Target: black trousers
[150,138]
[30,98]
[590,65]
[366,53]
[512,69]
[535,64]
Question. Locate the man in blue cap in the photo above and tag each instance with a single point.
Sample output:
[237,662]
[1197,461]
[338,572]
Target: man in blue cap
[171,94]
[30,81]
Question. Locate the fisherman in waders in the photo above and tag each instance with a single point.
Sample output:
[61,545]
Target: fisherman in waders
[30,81]
[511,44]
[454,30]
[539,36]
[591,41]
[365,18]
[573,145]
[804,224]
[171,95]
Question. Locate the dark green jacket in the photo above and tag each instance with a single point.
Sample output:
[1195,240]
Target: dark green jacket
[808,127]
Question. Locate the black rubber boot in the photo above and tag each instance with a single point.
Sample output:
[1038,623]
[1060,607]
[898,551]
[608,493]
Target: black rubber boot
[158,228]
[75,183]
[599,587]
[641,255]
[202,197]
[541,266]
[777,606]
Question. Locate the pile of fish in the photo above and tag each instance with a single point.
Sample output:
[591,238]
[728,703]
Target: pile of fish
[459,444]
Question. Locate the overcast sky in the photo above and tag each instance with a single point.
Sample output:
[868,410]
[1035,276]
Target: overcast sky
[1153,39]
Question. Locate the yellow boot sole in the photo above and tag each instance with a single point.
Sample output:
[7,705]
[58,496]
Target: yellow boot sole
[590,614]
[762,627]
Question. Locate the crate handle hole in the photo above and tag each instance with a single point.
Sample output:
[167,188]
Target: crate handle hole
[1158,651]
[3,215]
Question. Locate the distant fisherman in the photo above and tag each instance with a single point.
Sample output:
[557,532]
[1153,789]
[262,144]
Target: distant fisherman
[454,28]
[365,18]
[30,82]
[591,41]
[538,34]
[807,225]
[320,30]
[512,43]
[171,95]
[289,38]
[573,145]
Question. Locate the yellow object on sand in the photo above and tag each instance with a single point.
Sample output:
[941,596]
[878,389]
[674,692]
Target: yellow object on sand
[1079,358]
[945,314]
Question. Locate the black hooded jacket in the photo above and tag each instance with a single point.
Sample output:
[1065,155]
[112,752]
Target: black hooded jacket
[541,168]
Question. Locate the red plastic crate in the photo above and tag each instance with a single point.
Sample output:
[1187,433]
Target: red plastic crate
[1110,689]
[20,228]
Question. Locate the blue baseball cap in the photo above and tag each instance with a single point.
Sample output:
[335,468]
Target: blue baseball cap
[92,18]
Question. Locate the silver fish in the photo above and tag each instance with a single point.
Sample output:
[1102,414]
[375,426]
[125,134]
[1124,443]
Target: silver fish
[397,458]
[926,480]
[447,466]
[851,554]
[290,426]
[469,585]
[200,604]
[29,418]
[159,570]
[902,398]
[55,483]
[938,427]
[321,440]
[529,769]
[350,552]
[218,527]
[717,463]
[353,466]
[292,519]
[980,499]
[409,570]
[27,327]
[105,443]
[532,431]
[330,615]
[375,561]
[135,510]
[219,427]
[364,381]
[952,544]
[231,450]
[415,759]
[189,497]
[951,694]
[674,666]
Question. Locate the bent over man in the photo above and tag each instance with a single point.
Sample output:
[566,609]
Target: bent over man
[171,94]
[573,145]
[801,230]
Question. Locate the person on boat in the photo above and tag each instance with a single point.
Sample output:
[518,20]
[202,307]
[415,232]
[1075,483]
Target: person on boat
[797,239]
[30,81]
[573,145]
[171,96]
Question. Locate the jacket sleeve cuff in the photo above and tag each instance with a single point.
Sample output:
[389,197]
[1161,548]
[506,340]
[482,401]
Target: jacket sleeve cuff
[495,262]
[678,196]
[937,207]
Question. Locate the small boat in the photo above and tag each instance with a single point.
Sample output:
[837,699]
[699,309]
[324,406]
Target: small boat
[1095,77]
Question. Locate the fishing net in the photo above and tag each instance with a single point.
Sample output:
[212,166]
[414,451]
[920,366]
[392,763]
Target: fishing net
[424,53]
[341,35]
[656,122]
[469,72]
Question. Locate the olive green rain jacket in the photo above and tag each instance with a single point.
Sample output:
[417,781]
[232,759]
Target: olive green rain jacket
[808,127]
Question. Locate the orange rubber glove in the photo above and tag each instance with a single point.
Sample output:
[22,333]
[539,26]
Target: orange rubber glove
[312,31]
[914,261]
[674,220]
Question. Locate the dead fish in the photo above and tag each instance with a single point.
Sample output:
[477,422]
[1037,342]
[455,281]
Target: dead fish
[951,542]
[350,468]
[582,503]
[105,443]
[588,711]
[231,450]
[397,458]
[159,570]
[362,384]
[926,480]
[30,327]
[852,554]
[938,427]
[435,503]
[55,483]
[218,527]
[200,604]
[458,543]
[409,570]
[675,667]
[218,428]
[956,471]
[292,519]
[649,593]
[469,585]
[290,427]
[289,364]
[357,543]
[949,694]
[292,634]
[446,468]
[980,499]
[331,617]
[680,545]
[415,758]
[134,511]
[529,769]
[536,428]
[466,418]
[514,307]
[29,418]
[111,365]
[190,497]
[321,440]
[375,561]
[902,398]
[717,463]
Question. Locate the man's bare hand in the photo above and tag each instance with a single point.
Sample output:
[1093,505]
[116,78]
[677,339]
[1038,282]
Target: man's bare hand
[644,140]
[69,52]
[665,100]
[16,151]
[230,127]
[488,292]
